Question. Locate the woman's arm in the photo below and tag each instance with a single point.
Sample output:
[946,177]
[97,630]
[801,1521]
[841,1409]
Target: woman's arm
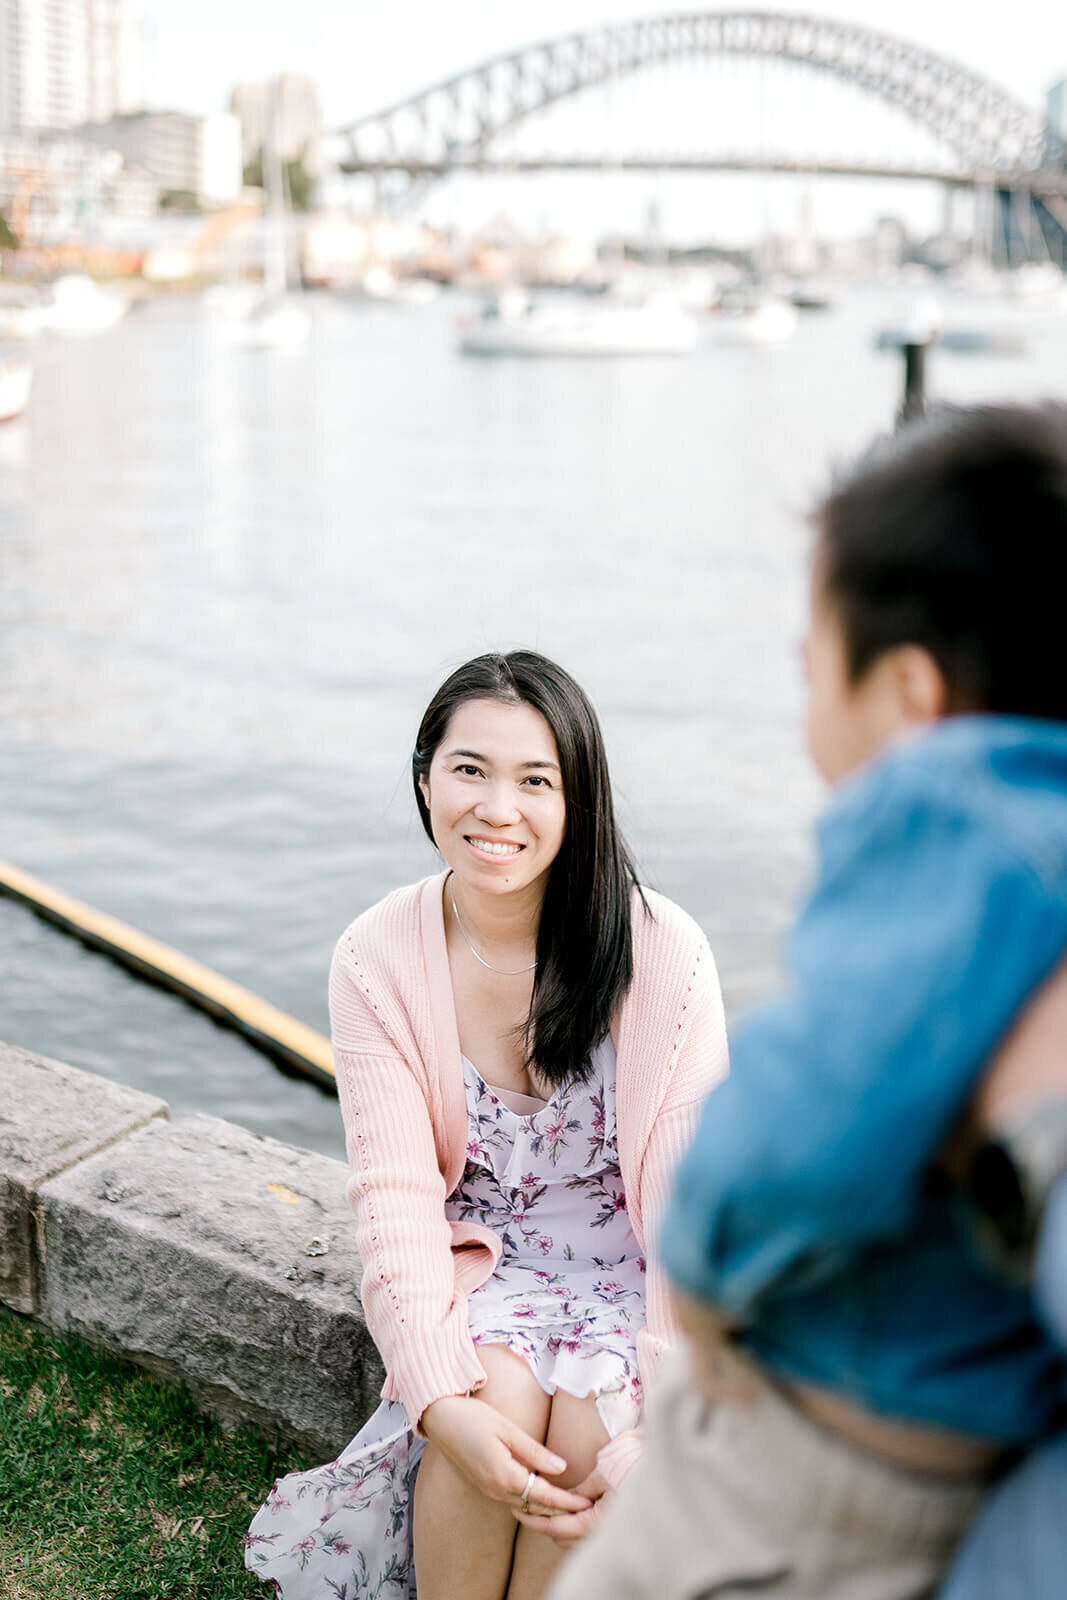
[702,1061]
[398,1192]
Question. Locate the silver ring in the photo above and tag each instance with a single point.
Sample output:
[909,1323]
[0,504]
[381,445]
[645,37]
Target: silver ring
[524,1503]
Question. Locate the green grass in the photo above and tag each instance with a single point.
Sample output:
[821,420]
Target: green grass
[113,1486]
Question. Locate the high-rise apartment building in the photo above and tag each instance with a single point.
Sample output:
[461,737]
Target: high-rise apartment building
[44,73]
[116,58]
[64,62]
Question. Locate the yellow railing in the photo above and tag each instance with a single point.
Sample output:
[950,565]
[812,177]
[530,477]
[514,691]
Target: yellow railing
[288,1041]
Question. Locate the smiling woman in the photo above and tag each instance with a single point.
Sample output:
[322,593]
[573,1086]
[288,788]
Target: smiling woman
[512,784]
[522,1044]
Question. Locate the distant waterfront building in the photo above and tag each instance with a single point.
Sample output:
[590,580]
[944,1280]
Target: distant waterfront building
[298,127]
[58,188]
[64,62]
[184,154]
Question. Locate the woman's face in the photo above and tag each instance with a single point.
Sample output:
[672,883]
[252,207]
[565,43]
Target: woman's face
[495,796]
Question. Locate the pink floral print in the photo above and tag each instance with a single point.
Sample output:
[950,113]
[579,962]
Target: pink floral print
[567,1296]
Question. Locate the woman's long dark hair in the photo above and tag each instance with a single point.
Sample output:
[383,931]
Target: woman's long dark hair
[584,944]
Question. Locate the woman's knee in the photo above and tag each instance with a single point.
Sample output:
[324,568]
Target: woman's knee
[576,1433]
[512,1389]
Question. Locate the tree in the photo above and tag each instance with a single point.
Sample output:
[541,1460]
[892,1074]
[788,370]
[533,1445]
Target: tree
[297,179]
[178,200]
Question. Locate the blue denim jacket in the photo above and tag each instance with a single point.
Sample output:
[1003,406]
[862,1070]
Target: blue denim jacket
[811,1204]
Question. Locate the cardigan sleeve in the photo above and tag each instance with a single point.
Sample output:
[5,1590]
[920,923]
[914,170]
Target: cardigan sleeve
[398,1193]
[702,1061]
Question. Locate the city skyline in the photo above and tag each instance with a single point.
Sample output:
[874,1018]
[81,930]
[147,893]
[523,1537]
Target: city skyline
[773,112]
[362,60]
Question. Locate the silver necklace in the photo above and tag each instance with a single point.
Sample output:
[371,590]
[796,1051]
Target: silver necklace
[502,971]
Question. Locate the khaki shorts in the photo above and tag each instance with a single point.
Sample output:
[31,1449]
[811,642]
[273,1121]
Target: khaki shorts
[748,1497]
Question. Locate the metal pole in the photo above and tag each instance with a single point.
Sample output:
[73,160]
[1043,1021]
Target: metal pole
[913,404]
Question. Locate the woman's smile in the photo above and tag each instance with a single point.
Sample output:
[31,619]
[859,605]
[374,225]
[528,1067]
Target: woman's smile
[494,847]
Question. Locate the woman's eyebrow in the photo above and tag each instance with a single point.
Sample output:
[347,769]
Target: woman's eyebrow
[472,755]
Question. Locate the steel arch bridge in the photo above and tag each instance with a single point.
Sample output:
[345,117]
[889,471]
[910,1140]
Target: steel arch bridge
[455,124]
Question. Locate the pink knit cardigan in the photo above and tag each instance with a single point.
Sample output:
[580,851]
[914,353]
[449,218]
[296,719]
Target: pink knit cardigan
[400,1082]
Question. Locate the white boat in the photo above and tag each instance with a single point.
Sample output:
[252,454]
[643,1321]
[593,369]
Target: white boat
[16,380]
[515,325]
[279,323]
[985,330]
[78,305]
[417,291]
[232,299]
[381,283]
[1038,283]
[755,319]
[21,319]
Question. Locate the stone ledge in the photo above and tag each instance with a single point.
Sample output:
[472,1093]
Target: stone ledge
[51,1117]
[209,1255]
[223,1260]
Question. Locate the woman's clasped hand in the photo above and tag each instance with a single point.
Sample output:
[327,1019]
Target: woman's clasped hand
[497,1457]
[569,1527]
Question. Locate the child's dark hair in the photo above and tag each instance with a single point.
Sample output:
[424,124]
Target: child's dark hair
[951,536]
[584,945]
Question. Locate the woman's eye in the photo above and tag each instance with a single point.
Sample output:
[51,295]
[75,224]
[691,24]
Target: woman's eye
[467,770]
[537,782]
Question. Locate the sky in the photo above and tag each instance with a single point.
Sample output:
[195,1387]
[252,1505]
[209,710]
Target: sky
[364,56]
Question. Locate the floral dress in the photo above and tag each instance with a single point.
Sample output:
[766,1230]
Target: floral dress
[567,1295]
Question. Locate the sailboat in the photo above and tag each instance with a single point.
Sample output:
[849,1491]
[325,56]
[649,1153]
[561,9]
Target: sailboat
[279,319]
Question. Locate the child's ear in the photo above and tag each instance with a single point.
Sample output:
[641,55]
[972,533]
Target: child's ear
[920,684]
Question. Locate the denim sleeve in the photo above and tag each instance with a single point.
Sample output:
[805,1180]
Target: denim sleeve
[1050,1264]
[925,932]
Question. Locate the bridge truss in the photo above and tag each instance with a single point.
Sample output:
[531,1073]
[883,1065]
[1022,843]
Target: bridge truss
[461,123]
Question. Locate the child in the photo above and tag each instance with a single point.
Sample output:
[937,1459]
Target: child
[856,1375]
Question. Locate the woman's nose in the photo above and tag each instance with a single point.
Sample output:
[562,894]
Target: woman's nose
[497,805]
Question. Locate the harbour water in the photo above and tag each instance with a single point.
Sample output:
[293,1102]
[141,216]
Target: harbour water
[230,579]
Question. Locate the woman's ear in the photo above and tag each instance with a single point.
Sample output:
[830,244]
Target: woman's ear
[424,790]
[920,685]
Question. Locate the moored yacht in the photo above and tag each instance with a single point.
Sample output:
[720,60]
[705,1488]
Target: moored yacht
[80,305]
[514,324]
[753,317]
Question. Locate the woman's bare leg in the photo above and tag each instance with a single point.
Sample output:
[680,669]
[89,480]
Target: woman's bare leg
[576,1433]
[463,1542]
